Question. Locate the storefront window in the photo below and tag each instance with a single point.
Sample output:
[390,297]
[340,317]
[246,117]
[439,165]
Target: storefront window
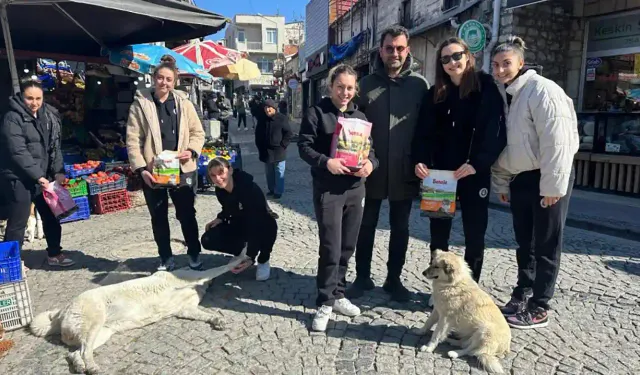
[612,84]
[586,130]
[622,135]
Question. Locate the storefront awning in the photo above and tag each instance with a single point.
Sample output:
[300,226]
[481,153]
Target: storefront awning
[520,3]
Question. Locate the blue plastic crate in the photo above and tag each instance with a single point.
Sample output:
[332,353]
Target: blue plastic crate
[83,213]
[73,158]
[10,265]
[73,173]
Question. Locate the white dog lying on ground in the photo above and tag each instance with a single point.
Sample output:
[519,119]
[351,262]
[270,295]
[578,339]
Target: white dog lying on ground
[460,306]
[94,316]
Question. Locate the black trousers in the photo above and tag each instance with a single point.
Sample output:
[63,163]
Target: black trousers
[539,231]
[183,199]
[399,212]
[473,193]
[338,216]
[17,209]
[224,124]
[242,118]
[232,238]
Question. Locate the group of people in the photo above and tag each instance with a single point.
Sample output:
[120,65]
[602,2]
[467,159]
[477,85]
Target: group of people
[515,131]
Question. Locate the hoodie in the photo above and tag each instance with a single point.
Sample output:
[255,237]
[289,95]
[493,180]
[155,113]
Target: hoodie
[314,145]
[245,206]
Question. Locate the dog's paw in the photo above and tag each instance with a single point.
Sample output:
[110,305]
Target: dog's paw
[428,348]
[452,354]
[94,369]
[217,324]
[77,363]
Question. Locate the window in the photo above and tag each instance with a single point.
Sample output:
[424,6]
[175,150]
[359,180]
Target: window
[612,84]
[266,65]
[450,4]
[241,36]
[272,36]
[405,14]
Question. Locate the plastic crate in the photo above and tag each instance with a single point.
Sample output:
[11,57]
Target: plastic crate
[10,266]
[73,173]
[113,201]
[15,305]
[95,188]
[83,213]
[79,190]
[73,158]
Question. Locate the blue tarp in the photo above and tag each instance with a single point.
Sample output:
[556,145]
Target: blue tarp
[345,50]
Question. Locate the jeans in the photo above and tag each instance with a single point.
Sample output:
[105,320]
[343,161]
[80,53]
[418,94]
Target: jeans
[242,117]
[275,177]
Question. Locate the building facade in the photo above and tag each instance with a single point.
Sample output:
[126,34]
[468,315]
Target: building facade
[316,51]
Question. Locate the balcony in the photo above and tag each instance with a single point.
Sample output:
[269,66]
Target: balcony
[254,46]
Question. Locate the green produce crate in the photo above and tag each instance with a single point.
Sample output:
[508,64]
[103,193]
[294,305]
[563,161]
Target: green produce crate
[80,190]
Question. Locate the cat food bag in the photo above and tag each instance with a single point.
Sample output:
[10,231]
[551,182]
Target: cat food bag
[438,192]
[351,142]
[166,169]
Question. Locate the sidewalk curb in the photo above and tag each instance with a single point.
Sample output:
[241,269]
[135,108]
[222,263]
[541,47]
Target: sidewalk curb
[589,225]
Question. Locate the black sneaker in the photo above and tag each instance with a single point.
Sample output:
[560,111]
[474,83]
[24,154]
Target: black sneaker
[195,263]
[359,286]
[529,319]
[397,291]
[513,307]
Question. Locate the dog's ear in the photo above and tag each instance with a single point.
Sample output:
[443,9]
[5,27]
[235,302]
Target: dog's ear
[448,268]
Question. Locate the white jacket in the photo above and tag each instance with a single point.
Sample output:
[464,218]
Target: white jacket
[542,133]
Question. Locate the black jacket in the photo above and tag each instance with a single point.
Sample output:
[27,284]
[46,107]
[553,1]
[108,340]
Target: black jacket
[456,131]
[314,144]
[30,148]
[245,207]
[273,135]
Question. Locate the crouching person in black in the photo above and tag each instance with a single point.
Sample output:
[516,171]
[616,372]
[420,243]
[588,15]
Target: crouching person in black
[338,194]
[245,219]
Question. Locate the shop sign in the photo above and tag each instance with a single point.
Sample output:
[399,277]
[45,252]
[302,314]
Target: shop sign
[594,62]
[293,84]
[317,62]
[474,34]
[591,74]
[614,33]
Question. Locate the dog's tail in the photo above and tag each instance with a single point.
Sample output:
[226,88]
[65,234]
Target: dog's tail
[46,323]
[490,363]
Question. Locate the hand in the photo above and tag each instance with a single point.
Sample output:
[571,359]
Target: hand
[148,178]
[212,224]
[365,170]
[549,201]
[336,166]
[465,170]
[44,183]
[184,156]
[421,171]
[60,178]
[504,198]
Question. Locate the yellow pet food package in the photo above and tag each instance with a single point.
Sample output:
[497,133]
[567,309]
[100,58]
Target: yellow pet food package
[438,192]
[166,169]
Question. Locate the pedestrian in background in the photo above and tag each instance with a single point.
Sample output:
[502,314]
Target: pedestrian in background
[338,194]
[391,99]
[241,110]
[273,135]
[461,129]
[535,176]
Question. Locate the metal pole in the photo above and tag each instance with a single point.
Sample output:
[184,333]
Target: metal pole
[9,47]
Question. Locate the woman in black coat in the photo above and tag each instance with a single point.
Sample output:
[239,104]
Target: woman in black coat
[462,130]
[245,218]
[30,159]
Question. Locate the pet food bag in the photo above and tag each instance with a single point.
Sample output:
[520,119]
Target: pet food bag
[166,169]
[439,194]
[351,142]
[59,201]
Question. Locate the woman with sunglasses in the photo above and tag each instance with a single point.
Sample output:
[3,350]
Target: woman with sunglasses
[461,129]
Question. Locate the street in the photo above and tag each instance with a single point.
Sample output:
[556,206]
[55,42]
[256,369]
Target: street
[595,325]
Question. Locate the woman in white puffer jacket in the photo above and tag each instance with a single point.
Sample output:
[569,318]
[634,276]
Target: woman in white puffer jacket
[535,175]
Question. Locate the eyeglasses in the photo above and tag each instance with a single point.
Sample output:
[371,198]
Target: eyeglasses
[390,49]
[455,56]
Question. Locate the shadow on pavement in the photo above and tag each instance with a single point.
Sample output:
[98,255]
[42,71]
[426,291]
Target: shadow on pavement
[631,267]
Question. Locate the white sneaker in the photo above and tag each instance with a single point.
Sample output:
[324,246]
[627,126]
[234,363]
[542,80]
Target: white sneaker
[263,271]
[345,307]
[321,319]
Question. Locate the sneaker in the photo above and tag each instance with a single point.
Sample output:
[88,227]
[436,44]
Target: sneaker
[269,194]
[167,265]
[246,129]
[359,286]
[397,291]
[321,319]
[60,261]
[529,319]
[263,271]
[195,263]
[345,307]
[513,307]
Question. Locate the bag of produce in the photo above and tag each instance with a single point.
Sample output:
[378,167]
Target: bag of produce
[166,169]
[439,194]
[351,142]
[59,201]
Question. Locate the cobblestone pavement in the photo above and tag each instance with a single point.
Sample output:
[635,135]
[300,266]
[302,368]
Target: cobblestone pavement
[595,327]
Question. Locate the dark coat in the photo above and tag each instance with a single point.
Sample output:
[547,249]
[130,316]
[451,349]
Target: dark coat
[314,144]
[30,148]
[456,131]
[392,105]
[273,135]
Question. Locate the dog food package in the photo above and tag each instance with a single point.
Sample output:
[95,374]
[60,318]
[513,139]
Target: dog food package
[351,142]
[439,194]
[166,169]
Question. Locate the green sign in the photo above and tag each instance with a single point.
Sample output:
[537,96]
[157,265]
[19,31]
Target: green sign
[474,34]
[7,302]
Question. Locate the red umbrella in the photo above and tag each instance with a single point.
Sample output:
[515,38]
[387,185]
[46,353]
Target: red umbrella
[209,54]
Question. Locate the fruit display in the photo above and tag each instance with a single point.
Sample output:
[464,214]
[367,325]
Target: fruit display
[82,169]
[108,151]
[101,182]
[76,187]
[211,152]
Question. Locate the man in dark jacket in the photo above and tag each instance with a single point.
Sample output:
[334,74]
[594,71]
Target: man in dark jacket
[391,99]
[273,135]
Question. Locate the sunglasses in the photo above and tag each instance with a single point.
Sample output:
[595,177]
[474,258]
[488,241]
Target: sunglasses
[455,56]
[390,49]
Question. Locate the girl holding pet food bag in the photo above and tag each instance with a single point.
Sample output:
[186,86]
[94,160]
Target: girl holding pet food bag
[460,135]
[334,139]
[164,139]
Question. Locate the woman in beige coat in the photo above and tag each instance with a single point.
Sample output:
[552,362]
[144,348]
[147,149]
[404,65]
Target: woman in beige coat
[163,119]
